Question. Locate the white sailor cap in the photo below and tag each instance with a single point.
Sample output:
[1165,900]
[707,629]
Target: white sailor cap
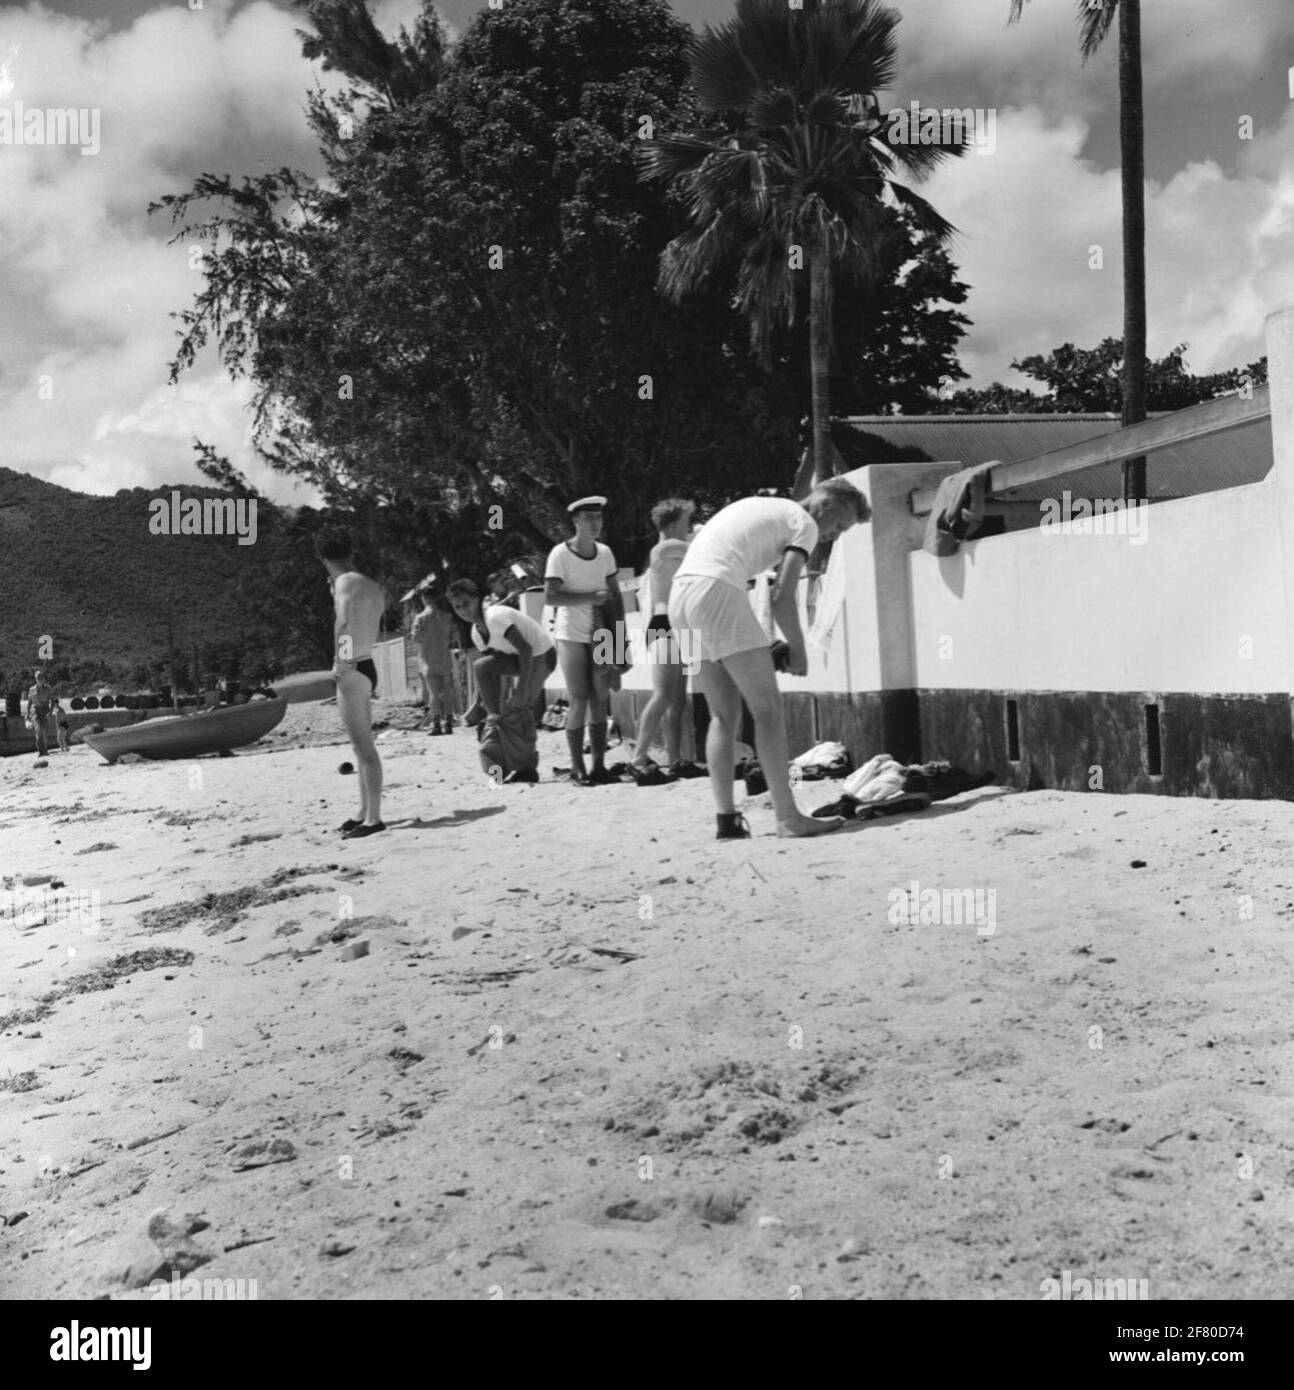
[587,504]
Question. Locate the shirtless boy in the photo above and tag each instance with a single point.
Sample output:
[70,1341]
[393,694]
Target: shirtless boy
[359,604]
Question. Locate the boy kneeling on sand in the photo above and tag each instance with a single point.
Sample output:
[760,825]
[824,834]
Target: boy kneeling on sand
[709,597]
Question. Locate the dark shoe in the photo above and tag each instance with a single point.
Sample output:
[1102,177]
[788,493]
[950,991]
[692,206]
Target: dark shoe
[601,777]
[846,807]
[361,831]
[649,776]
[474,716]
[514,777]
[581,779]
[435,728]
[732,826]
[685,769]
[348,825]
[755,780]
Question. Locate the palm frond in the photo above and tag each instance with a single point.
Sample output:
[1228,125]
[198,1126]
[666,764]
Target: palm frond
[1094,24]
[927,219]
[851,47]
[674,156]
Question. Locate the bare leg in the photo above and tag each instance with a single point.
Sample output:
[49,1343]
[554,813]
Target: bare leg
[574,659]
[676,697]
[654,709]
[724,699]
[490,671]
[752,674]
[355,705]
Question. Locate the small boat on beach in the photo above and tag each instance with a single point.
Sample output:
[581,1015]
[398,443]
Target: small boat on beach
[191,735]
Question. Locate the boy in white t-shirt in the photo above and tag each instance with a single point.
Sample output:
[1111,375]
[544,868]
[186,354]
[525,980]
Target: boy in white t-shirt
[709,598]
[579,578]
[512,643]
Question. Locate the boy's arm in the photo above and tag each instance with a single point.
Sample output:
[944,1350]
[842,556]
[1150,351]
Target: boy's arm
[786,611]
[557,596]
[525,656]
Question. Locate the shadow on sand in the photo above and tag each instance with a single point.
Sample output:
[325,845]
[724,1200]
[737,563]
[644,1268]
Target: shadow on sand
[447,822]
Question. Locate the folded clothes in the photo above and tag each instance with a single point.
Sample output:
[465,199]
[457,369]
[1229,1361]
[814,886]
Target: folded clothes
[878,779]
[828,759]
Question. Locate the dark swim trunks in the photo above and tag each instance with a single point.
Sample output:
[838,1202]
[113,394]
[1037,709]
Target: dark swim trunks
[658,623]
[366,668]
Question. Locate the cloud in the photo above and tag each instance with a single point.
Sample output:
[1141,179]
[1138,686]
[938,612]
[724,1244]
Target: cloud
[1220,247]
[88,284]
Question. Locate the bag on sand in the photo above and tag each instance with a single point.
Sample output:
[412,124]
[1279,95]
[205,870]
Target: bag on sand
[509,743]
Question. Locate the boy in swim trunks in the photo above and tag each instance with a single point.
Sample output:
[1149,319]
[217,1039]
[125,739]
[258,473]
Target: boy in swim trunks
[673,520]
[433,633]
[359,603]
[709,597]
[40,701]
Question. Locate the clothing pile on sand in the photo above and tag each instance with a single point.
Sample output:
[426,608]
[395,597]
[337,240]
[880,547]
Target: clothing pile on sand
[884,786]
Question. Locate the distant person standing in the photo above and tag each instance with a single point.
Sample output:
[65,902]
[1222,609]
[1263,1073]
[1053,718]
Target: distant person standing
[579,577]
[60,718]
[433,636]
[710,599]
[40,704]
[673,520]
[359,604]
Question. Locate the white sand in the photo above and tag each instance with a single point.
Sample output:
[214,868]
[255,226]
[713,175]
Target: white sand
[646,1128]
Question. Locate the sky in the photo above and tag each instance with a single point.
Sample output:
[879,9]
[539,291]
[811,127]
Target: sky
[88,282]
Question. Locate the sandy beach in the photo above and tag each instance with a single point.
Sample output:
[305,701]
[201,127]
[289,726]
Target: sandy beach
[549,1042]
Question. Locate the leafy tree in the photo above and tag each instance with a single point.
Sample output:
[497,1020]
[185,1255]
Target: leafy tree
[1087,380]
[804,180]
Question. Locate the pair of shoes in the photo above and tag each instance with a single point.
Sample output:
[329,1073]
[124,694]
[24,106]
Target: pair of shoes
[360,831]
[348,825]
[601,777]
[683,768]
[732,826]
[649,776]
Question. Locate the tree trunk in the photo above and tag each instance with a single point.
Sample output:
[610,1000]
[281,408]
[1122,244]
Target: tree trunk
[820,363]
[1132,153]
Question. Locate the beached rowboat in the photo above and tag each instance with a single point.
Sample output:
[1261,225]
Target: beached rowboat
[189,735]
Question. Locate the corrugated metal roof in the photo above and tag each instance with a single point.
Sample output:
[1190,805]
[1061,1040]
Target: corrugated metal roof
[1229,460]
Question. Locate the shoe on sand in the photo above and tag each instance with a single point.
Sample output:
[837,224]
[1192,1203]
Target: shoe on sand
[361,831]
[732,826]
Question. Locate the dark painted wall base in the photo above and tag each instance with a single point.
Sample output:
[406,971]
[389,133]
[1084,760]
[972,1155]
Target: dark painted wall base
[1208,745]
[1239,746]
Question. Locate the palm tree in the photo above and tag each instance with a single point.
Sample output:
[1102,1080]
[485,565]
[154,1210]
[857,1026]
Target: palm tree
[803,182]
[1094,20]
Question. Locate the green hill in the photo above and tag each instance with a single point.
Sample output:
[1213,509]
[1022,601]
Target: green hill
[90,574]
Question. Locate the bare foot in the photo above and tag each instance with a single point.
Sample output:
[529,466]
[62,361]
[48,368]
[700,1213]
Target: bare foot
[803,826]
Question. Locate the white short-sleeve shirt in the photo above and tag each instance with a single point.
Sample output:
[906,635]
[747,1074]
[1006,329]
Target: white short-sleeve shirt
[575,624]
[748,537]
[498,619]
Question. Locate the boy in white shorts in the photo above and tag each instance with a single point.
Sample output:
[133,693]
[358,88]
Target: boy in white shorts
[709,597]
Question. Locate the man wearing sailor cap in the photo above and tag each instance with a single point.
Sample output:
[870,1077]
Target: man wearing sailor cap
[579,579]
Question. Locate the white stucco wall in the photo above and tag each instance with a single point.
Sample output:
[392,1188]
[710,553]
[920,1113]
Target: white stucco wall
[1198,607]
